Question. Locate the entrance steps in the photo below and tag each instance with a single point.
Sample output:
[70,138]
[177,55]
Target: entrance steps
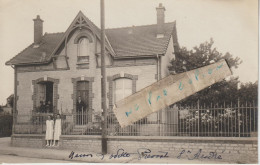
[80,129]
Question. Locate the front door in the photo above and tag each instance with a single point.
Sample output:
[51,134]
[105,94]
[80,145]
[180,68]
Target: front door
[82,106]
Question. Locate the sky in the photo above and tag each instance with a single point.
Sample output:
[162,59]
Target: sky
[233,24]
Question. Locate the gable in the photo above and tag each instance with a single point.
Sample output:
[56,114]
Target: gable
[82,22]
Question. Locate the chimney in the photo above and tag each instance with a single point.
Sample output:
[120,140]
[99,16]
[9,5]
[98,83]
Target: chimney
[38,22]
[160,20]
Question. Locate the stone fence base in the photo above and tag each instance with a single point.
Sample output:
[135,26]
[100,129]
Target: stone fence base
[225,149]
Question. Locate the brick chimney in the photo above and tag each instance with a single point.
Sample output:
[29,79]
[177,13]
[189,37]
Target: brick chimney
[160,20]
[38,22]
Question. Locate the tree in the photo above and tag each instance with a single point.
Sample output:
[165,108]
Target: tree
[10,100]
[248,92]
[1,109]
[203,55]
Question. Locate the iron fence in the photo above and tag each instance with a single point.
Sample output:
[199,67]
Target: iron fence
[232,120]
[219,120]
[30,123]
[82,123]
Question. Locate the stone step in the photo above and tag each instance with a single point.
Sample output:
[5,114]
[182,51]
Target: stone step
[81,126]
[77,133]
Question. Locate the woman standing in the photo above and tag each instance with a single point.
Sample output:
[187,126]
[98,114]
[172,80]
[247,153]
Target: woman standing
[49,131]
[57,130]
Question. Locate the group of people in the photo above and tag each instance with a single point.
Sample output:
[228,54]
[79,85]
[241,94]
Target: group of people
[53,130]
[45,107]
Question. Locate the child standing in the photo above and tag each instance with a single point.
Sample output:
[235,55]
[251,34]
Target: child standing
[49,131]
[57,130]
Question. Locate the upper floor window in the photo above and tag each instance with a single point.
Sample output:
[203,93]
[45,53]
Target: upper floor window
[122,89]
[83,50]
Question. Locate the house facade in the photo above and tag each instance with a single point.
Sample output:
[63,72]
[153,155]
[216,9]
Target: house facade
[58,68]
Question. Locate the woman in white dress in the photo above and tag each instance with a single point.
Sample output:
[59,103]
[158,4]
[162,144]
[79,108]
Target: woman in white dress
[49,131]
[57,130]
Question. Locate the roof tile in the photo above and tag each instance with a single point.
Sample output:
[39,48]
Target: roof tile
[31,55]
[139,40]
[126,42]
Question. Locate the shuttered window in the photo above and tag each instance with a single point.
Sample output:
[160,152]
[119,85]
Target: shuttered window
[122,89]
[83,50]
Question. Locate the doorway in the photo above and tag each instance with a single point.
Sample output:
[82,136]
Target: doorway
[82,105]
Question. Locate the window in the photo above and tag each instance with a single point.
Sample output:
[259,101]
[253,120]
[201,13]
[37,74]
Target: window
[122,89]
[83,50]
[44,101]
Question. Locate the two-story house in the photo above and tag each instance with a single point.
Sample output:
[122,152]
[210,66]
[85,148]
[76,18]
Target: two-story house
[57,68]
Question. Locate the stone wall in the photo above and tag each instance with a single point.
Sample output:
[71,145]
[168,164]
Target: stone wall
[81,143]
[27,140]
[233,150]
[223,149]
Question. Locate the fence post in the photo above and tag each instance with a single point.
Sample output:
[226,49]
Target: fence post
[198,106]
[14,121]
[238,117]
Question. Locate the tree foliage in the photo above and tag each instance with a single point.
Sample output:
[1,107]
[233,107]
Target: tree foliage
[199,56]
[10,100]
[248,91]
[202,55]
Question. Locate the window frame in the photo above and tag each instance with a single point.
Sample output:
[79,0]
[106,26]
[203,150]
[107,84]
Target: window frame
[55,92]
[123,88]
[79,46]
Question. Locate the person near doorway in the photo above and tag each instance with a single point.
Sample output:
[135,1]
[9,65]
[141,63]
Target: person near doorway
[42,107]
[49,108]
[49,131]
[81,112]
[57,130]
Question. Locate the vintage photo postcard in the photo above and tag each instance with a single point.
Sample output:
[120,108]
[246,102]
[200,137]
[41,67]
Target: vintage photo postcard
[112,81]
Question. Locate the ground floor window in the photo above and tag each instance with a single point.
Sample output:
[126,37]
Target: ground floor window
[44,102]
[122,89]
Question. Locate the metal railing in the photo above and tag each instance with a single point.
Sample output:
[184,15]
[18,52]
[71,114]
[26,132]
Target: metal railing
[82,123]
[30,123]
[232,120]
[211,121]
[225,120]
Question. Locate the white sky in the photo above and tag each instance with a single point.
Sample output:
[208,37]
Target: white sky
[233,24]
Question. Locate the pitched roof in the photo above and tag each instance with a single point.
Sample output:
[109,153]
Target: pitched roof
[31,55]
[139,40]
[124,42]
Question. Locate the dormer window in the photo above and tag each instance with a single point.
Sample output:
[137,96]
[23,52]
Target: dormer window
[83,50]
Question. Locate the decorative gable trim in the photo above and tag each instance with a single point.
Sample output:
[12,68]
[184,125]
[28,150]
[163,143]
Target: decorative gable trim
[81,22]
